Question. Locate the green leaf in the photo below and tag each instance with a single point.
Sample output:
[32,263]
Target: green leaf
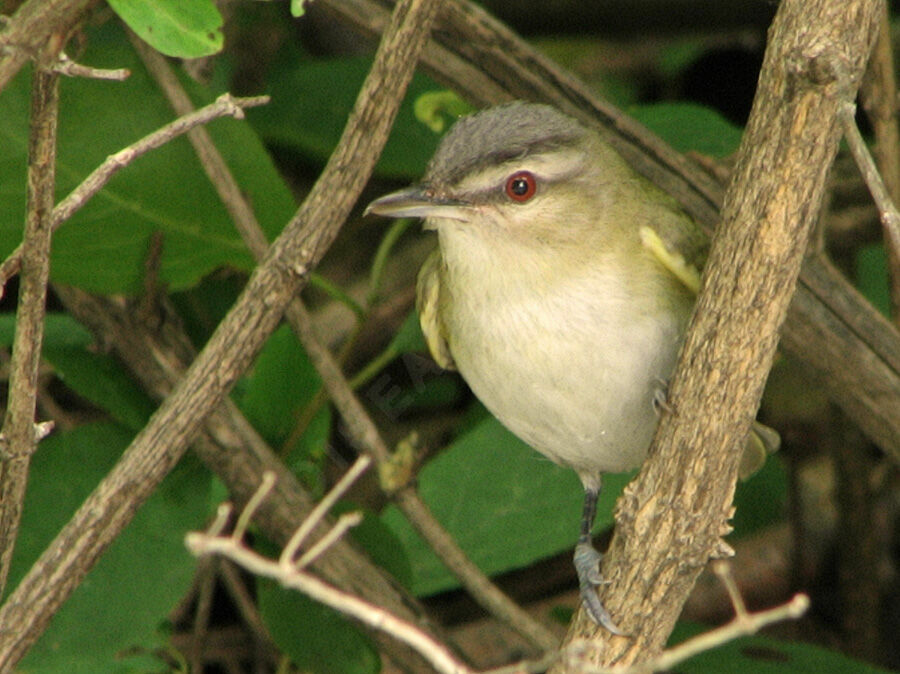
[103,247]
[125,599]
[317,639]
[690,127]
[102,380]
[301,118]
[60,331]
[298,7]
[379,542]
[409,338]
[872,277]
[764,655]
[283,382]
[506,505]
[181,28]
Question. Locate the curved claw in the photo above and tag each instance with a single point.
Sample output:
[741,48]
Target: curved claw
[587,566]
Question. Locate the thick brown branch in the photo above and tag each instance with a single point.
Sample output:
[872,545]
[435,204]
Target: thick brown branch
[673,515]
[18,439]
[234,344]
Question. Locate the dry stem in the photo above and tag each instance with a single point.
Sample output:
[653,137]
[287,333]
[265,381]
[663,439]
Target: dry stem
[19,435]
[576,656]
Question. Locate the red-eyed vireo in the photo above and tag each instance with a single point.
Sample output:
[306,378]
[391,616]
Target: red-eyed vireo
[560,290]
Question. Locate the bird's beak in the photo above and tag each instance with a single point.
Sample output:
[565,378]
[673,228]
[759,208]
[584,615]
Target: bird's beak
[417,202]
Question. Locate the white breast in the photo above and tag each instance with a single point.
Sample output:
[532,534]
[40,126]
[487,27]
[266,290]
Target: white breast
[571,368]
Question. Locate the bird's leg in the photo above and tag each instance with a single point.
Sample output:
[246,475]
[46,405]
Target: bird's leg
[587,564]
[661,398]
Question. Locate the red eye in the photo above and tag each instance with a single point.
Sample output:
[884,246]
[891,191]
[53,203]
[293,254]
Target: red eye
[521,186]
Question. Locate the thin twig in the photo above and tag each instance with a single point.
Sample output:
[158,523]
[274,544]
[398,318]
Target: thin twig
[576,655]
[224,105]
[878,94]
[359,424]
[887,211]
[246,604]
[373,616]
[742,625]
[66,66]
[345,522]
[291,575]
[322,509]
[18,438]
[265,488]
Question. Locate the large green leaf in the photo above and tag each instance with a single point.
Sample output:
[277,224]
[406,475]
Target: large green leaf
[125,599]
[182,28]
[690,127]
[317,639]
[505,504]
[310,104]
[103,381]
[103,247]
[282,382]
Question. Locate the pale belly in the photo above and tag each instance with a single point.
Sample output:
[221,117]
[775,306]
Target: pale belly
[579,388]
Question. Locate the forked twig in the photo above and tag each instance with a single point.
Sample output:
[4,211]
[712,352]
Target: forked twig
[576,655]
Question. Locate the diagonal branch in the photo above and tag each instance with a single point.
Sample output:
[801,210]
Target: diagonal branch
[235,343]
[673,515]
[360,426]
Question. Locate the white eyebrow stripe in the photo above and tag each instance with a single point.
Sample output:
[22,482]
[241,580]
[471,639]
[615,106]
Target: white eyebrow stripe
[548,167]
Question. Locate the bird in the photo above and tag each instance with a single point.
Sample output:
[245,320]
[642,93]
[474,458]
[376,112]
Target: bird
[560,289]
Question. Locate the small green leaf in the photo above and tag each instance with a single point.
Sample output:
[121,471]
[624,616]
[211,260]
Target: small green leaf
[282,382]
[762,499]
[438,109]
[872,278]
[60,331]
[409,338]
[103,248]
[379,542]
[298,7]
[505,504]
[302,119]
[181,28]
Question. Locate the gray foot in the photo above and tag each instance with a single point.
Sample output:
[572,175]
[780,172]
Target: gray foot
[587,566]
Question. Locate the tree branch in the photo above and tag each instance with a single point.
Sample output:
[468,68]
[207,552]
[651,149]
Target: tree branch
[224,105]
[18,439]
[234,344]
[879,99]
[673,515]
[361,428]
[39,27]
